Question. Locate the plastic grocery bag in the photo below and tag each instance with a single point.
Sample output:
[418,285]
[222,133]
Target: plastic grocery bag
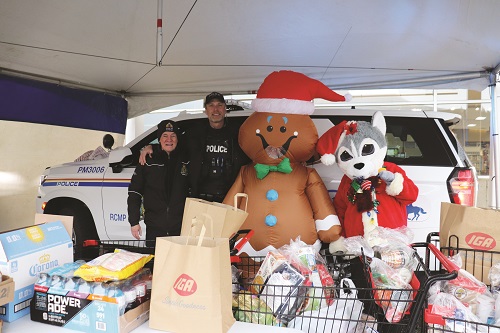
[342,316]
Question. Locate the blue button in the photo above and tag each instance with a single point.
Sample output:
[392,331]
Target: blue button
[272,195]
[271,220]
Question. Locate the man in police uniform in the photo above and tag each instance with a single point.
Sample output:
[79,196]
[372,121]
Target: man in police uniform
[214,153]
[214,171]
[161,184]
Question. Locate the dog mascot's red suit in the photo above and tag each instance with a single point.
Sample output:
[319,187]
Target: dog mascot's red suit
[372,192]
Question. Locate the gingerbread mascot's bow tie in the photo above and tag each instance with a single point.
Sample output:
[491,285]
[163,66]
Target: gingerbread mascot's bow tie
[263,169]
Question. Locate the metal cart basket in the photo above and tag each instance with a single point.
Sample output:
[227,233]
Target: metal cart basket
[478,263]
[336,307]
[91,249]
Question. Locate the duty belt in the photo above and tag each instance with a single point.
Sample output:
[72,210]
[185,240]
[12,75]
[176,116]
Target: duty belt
[212,197]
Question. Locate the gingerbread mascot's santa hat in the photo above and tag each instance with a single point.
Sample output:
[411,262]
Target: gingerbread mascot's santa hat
[293,93]
[329,142]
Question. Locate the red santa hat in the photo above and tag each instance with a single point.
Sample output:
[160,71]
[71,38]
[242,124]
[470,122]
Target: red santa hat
[329,142]
[292,92]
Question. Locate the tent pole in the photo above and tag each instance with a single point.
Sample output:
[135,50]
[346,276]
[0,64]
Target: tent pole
[494,145]
[159,32]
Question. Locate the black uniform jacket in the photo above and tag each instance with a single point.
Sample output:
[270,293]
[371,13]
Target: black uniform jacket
[162,183]
[196,147]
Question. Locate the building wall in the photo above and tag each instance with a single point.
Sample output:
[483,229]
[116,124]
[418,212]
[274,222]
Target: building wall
[26,150]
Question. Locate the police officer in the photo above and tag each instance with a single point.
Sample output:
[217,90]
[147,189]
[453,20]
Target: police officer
[215,155]
[215,170]
[161,184]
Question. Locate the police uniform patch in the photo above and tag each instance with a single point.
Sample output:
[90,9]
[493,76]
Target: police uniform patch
[169,127]
[184,169]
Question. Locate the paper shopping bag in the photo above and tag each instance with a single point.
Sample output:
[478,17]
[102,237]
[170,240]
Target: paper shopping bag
[343,316]
[472,228]
[192,289]
[226,219]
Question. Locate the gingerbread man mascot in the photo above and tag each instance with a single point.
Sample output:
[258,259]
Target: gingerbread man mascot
[286,199]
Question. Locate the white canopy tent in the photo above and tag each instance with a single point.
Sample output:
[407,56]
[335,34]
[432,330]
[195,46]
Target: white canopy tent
[230,46]
[161,53]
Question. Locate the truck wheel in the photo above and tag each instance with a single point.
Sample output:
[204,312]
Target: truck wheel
[83,224]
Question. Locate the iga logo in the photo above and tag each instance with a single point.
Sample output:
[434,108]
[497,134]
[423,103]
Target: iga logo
[480,241]
[185,285]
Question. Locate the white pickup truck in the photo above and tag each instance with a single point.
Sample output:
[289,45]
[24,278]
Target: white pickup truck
[95,191]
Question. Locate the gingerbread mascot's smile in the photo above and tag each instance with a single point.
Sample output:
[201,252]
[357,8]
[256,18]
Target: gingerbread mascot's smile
[275,152]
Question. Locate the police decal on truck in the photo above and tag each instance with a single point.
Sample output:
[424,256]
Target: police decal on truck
[91,169]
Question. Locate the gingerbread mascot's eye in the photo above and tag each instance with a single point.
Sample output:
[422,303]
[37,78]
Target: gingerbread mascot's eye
[269,128]
[282,129]
[368,149]
[345,156]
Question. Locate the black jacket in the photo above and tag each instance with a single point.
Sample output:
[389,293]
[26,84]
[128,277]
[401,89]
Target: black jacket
[197,141]
[163,185]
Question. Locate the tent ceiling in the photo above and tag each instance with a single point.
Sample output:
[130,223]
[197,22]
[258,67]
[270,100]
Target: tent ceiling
[230,46]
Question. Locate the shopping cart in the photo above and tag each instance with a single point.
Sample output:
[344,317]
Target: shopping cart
[476,262]
[235,246]
[91,249]
[333,308]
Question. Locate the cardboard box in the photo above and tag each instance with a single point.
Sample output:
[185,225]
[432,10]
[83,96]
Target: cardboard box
[477,232]
[6,290]
[67,221]
[65,300]
[26,252]
[86,314]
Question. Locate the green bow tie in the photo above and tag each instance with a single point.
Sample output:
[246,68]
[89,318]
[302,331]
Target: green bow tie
[263,169]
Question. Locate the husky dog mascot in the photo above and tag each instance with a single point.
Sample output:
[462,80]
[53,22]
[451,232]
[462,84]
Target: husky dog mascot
[372,192]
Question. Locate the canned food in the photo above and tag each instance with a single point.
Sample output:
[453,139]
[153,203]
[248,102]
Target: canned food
[394,258]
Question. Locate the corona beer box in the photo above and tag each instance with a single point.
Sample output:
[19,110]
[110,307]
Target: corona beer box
[26,252]
[474,229]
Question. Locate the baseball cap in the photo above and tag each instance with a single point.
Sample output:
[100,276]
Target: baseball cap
[214,96]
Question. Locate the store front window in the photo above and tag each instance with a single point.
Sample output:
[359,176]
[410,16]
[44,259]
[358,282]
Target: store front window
[473,131]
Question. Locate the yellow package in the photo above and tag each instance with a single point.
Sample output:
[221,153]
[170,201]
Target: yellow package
[114,266]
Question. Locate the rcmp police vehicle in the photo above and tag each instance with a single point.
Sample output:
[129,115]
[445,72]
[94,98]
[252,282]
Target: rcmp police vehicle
[94,192]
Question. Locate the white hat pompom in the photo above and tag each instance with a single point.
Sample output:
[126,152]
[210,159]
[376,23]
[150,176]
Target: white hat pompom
[328,159]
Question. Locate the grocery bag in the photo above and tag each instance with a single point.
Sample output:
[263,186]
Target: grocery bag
[192,289]
[227,219]
[342,316]
[475,229]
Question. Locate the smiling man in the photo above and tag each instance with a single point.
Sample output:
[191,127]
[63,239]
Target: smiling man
[214,152]
[161,184]
[215,170]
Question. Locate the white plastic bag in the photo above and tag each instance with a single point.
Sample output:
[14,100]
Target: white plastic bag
[342,316]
